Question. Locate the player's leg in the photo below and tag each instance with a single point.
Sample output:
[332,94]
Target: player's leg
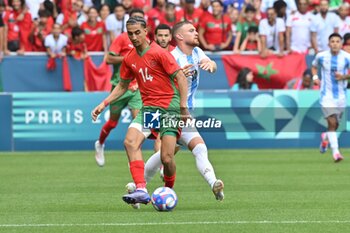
[99,144]
[154,164]
[167,154]
[133,142]
[333,123]
[115,109]
[333,114]
[196,145]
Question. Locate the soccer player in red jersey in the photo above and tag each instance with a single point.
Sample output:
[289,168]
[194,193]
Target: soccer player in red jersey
[163,88]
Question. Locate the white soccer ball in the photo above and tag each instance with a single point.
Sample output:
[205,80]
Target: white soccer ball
[164,199]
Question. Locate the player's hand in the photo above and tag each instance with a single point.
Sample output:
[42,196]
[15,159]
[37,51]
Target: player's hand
[339,76]
[185,114]
[187,69]
[97,111]
[317,82]
[207,66]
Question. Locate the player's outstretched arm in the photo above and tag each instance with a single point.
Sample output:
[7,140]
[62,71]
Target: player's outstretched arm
[208,65]
[118,91]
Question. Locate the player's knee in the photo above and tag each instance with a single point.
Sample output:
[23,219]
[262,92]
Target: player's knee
[130,143]
[200,150]
[167,158]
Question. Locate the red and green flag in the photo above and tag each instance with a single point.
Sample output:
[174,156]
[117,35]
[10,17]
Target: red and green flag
[272,72]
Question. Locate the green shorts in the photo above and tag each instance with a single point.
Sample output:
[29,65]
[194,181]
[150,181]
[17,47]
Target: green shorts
[166,124]
[131,99]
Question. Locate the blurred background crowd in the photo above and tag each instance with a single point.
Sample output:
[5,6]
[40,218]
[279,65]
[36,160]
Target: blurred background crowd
[77,26]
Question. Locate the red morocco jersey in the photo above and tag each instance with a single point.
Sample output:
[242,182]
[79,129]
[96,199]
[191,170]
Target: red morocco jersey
[153,70]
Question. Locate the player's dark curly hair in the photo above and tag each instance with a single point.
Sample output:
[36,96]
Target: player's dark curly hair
[137,20]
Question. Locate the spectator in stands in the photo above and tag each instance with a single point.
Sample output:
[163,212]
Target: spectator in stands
[145,5]
[56,42]
[272,32]
[344,26]
[18,23]
[245,81]
[189,13]
[291,5]
[77,47]
[298,29]
[169,16]
[215,31]
[205,7]
[40,29]
[325,23]
[33,8]
[116,22]
[104,12]
[243,26]
[259,15]
[72,18]
[304,83]
[95,32]
[153,16]
[346,42]
[234,16]
[252,42]
[154,13]
[127,5]
[280,7]
[51,7]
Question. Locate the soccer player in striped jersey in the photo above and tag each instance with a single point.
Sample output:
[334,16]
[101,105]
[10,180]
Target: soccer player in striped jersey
[334,65]
[163,89]
[191,58]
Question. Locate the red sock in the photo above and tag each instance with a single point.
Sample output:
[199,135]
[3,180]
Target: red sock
[169,181]
[137,169]
[106,129]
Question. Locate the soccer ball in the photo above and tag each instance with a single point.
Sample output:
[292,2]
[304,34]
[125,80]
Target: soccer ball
[164,199]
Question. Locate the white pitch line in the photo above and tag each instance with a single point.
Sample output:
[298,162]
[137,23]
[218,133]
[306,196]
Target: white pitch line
[172,223]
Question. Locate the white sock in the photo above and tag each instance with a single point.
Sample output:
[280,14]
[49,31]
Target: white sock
[142,189]
[204,166]
[333,140]
[152,166]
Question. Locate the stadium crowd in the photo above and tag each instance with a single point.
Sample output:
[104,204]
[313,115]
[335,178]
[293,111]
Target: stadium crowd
[75,27]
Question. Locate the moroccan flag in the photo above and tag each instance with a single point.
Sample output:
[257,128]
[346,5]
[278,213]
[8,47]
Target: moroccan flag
[67,82]
[272,72]
[97,78]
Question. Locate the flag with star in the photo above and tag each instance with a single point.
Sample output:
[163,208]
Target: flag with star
[272,72]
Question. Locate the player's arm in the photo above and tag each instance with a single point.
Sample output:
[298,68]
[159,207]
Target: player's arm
[208,65]
[118,91]
[182,82]
[113,58]
[314,72]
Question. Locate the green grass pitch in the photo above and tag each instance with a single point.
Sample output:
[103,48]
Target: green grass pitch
[265,191]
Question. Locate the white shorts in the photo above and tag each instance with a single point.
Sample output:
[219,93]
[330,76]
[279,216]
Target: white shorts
[187,134]
[139,127]
[333,107]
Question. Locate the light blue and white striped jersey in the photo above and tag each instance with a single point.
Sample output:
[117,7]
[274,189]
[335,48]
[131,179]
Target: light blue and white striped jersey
[193,80]
[330,88]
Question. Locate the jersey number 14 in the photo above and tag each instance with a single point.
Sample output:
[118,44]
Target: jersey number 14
[145,75]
